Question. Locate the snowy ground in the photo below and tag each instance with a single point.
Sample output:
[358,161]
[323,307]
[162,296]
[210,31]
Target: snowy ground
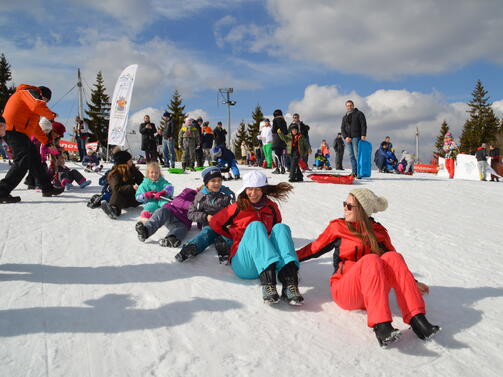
[81,296]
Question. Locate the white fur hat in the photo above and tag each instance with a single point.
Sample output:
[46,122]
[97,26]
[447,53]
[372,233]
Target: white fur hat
[370,202]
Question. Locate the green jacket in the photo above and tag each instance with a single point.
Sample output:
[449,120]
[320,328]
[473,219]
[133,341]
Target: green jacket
[304,147]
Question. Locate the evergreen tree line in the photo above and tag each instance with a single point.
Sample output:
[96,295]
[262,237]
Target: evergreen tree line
[482,125]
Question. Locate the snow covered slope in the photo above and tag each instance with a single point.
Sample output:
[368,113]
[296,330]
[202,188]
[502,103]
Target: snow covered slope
[81,296]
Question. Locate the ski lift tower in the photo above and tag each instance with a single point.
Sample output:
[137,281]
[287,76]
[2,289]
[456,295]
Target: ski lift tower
[225,93]
[81,95]
[417,145]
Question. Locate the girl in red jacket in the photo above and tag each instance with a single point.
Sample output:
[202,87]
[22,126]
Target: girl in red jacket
[261,245]
[367,266]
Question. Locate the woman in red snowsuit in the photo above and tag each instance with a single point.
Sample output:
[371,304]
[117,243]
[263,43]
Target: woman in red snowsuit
[367,266]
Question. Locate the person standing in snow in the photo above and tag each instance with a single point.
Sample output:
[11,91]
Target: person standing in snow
[494,153]
[339,151]
[261,245]
[148,139]
[481,156]
[278,145]
[266,137]
[451,151]
[22,114]
[353,129]
[367,266]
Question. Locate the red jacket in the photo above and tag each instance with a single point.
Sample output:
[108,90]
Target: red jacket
[231,222]
[348,247]
[23,111]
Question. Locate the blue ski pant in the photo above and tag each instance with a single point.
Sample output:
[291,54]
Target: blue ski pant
[353,153]
[257,250]
[205,238]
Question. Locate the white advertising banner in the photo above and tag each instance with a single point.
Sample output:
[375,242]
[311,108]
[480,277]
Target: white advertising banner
[121,101]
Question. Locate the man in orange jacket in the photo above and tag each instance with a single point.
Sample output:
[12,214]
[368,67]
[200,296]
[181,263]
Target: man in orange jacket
[22,114]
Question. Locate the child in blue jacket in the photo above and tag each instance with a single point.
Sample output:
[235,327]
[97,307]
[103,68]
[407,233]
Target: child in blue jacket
[153,190]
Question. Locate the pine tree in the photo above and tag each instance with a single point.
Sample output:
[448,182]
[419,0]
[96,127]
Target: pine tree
[240,137]
[5,76]
[177,115]
[254,128]
[482,126]
[98,114]
[444,128]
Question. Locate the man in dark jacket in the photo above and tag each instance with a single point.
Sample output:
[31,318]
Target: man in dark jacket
[339,151]
[148,142]
[199,149]
[353,129]
[22,114]
[219,134]
[278,145]
[494,153]
[168,140]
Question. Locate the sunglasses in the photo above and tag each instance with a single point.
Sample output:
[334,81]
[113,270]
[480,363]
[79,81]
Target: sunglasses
[349,206]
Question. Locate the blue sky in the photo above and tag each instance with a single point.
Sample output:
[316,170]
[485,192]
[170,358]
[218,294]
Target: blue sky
[406,64]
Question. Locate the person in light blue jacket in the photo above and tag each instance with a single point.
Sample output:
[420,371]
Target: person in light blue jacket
[154,191]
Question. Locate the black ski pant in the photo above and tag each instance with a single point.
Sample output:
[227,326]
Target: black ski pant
[26,158]
[72,175]
[151,155]
[295,172]
[339,155]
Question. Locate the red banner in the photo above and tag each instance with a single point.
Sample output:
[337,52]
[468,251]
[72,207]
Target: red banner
[69,146]
[425,168]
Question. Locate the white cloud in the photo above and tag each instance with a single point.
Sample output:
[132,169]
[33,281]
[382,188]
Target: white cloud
[394,113]
[383,39]
[498,108]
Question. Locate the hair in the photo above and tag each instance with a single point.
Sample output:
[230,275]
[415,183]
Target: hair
[122,170]
[295,115]
[116,149]
[219,123]
[152,165]
[279,192]
[277,113]
[365,233]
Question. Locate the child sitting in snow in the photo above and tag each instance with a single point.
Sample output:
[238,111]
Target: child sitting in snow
[153,190]
[174,216]
[91,162]
[210,199]
[225,160]
[64,176]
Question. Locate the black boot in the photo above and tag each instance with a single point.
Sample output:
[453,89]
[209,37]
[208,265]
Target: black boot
[110,210]
[268,282]
[9,199]
[170,241]
[223,250]
[277,171]
[423,329]
[290,290]
[187,252]
[386,334]
[142,231]
[52,191]
[282,170]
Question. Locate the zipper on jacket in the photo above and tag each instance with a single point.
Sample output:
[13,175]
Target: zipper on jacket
[356,253]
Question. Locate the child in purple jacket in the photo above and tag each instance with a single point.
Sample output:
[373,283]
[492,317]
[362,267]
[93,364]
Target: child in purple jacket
[174,216]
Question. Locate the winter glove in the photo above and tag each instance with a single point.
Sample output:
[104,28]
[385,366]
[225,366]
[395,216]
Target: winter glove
[169,190]
[150,194]
[158,195]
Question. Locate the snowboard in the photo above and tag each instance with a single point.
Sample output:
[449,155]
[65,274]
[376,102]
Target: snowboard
[364,158]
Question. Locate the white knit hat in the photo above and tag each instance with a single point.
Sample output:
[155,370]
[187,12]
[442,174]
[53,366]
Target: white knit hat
[254,179]
[45,124]
[370,202]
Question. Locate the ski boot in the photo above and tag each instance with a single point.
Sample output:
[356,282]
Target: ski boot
[188,251]
[386,334]
[52,191]
[423,329]
[268,281]
[290,290]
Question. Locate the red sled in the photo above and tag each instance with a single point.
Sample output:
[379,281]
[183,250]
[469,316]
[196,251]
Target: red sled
[332,178]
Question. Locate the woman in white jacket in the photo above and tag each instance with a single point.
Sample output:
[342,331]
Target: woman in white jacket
[266,137]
